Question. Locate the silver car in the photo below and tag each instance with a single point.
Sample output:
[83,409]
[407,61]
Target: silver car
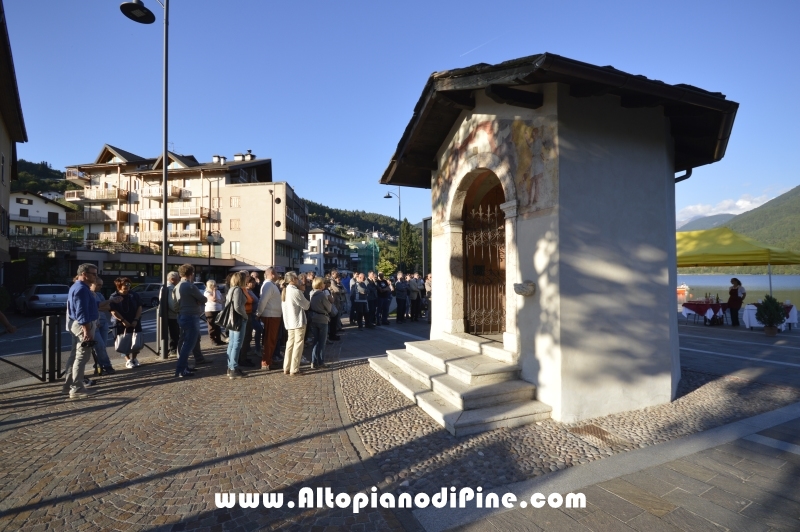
[148,293]
[43,298]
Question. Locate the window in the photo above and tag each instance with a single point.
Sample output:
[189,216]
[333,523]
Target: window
[25,201]
[235,224]
[234,201]
[234,248]
[23,213]
[215,203]
[52,218]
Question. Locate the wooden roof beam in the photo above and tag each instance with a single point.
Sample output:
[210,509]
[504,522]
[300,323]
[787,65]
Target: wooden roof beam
[515,97]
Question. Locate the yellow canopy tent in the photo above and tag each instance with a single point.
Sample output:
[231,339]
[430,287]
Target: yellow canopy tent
[723,247]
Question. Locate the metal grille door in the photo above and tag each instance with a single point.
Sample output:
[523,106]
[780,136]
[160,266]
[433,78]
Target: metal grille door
[485,254]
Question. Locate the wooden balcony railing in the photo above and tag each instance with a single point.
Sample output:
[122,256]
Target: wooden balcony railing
[181,213]
[156,193]
[107,236]
[96,194]
[190,235]
[96,217]
[76,176]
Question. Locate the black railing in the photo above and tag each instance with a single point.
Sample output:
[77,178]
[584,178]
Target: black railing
[51,351]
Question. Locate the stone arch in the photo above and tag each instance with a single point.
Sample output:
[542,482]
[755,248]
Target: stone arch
[474,166]
[469,171]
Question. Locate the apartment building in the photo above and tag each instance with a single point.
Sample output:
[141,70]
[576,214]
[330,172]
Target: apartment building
[263,223]
[12,130]
[325,251]
[32,214]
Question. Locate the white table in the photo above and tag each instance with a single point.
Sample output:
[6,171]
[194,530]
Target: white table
[750,321]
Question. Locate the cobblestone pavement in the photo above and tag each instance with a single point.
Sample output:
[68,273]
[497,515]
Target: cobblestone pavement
[149,451]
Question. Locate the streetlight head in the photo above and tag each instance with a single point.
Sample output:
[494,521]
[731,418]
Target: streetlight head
[136,11]
[388,196]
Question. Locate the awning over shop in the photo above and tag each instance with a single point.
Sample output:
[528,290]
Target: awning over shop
[723,247]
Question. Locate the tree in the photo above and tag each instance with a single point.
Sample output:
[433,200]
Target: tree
[387,263]
[410,248]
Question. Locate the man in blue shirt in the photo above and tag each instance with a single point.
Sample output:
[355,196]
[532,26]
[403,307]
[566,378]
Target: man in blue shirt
[83,311]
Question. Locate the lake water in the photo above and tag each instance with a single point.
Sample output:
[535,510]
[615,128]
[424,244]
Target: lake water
[783,286]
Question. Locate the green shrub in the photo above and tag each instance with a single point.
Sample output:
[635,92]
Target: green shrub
[770,312]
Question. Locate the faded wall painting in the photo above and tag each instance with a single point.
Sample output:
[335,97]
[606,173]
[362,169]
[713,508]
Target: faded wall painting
[526,148]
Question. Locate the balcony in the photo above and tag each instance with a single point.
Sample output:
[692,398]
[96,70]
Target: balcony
[189,235]
[79,218]
[77,177]
[107,237]
[37,219]
[181,213]
[96,194]
[156,193]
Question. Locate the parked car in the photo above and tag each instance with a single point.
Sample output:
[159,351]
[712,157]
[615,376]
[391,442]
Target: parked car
[43,298]
[148,293]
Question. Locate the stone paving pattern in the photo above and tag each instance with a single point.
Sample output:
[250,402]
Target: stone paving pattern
[417,451]
[739,486]
[149,451]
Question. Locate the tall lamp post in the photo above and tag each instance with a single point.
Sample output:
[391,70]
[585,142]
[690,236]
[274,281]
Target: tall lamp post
[399,221]
[136,11]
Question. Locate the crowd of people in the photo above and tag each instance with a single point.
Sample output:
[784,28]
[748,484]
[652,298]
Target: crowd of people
[255,317]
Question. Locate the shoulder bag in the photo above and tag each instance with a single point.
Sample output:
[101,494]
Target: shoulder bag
[228,317]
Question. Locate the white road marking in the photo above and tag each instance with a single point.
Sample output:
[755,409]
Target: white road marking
[739,342]
[742,358]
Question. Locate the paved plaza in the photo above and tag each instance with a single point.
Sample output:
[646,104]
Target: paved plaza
[149,452]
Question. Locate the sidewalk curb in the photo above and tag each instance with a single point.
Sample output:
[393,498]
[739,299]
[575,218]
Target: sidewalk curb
[574,478]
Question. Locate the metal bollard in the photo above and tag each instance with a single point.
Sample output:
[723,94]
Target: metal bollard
[51,347]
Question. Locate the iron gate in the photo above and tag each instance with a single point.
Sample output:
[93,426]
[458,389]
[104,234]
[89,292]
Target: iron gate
[485,254]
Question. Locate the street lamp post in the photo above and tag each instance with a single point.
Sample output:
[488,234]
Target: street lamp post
[137,12]
[399,221]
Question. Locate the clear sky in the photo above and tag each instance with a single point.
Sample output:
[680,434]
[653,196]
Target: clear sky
[325,89]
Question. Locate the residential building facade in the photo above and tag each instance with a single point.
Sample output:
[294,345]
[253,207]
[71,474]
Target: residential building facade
[263,223]
[31,214]
[12,131]
[325,251]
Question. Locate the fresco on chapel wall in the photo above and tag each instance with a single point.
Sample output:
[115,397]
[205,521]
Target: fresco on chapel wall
[526,148]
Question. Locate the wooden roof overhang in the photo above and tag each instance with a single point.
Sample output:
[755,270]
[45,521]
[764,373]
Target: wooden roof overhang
[701,121]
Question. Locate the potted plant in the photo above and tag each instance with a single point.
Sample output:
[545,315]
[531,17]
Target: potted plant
[770,313]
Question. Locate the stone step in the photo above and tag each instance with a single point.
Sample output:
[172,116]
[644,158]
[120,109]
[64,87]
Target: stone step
[470,397]
[502,416]
[442,411]
[457,421]
[413,366]
[471,368]
[437,352]
[484,346]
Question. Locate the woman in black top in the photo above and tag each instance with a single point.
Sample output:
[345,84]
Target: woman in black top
[128,313]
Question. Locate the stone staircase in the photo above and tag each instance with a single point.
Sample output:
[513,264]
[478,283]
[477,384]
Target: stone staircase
[465,383]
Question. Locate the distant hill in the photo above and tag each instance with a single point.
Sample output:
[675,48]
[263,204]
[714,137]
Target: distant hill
[706,222]
[40,177]
[363,220]
[776,223]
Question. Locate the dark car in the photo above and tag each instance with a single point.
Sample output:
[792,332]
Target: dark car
[43,298]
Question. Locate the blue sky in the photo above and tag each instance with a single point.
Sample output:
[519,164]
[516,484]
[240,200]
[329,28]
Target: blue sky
[325,89]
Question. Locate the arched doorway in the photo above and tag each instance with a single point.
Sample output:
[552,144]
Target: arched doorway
[484,257]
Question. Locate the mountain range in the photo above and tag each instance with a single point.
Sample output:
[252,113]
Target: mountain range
[775,223]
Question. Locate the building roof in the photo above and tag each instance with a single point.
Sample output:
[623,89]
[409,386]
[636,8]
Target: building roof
[701,121]
[10,104]
[46,200]
[126,156]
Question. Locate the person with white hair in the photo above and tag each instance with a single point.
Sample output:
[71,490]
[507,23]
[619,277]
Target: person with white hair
[294,306]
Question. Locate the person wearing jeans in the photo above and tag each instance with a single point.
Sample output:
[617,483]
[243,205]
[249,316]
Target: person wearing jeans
[83,311]
[237,299]
[294,306]
[189,303]
[320,316]
[101,333]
